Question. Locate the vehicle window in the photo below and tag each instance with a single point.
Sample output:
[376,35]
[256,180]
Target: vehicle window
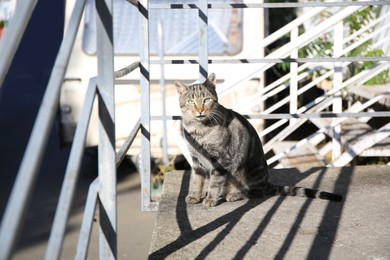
[180,29]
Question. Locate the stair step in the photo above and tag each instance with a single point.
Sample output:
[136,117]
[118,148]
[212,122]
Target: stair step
[381,149]
[304,156]
[352,130]
[361,144]
[370,92]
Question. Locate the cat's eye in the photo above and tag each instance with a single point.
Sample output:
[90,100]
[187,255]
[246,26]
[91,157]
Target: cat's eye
[206,100]
[191,102]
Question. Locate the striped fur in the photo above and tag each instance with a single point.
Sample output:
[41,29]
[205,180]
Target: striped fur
[227,153]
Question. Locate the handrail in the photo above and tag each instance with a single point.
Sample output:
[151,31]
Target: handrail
[22,190]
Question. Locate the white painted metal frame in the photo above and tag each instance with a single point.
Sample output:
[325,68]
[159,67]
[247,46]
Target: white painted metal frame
[337,81]
[106,127]
[294,76]
[145,162]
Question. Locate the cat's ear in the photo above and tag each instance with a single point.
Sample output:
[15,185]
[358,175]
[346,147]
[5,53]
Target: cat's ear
[181,88]
[211,80]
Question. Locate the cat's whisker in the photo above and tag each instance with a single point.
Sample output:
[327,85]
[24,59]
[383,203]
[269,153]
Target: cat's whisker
[217,116]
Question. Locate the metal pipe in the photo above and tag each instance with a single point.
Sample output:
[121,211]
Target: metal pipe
[145,164]
[126,70]
[126,145]
[160,32]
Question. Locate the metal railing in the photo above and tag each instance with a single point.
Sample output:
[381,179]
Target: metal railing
[102,191]
[335,23]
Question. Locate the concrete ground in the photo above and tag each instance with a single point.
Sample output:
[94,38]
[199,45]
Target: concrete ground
[281,227]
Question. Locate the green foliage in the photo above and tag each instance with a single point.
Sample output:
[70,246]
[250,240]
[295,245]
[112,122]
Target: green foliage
[323,46]
[358,20]
[381,78]
[2,24]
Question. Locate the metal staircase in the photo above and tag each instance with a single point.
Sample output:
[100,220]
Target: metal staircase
[102,192]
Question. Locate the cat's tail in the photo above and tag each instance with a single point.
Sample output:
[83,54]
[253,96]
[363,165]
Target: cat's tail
[303,192]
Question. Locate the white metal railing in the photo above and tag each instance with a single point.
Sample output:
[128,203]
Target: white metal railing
[102,191]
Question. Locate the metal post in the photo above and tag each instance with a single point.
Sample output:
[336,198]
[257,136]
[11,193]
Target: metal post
[163,94]
[143,7]
[294,77]
[337,81]
[203,40]
[106,148]
[13,35]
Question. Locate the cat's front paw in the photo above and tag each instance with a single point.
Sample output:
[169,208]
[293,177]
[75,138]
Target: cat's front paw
[234,196]
[209,202]
[192,200]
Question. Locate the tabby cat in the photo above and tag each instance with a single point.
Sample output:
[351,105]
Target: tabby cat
[226,151]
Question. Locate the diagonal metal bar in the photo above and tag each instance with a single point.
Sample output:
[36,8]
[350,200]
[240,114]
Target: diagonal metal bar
[86,225]
[71,176]
[126,145]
